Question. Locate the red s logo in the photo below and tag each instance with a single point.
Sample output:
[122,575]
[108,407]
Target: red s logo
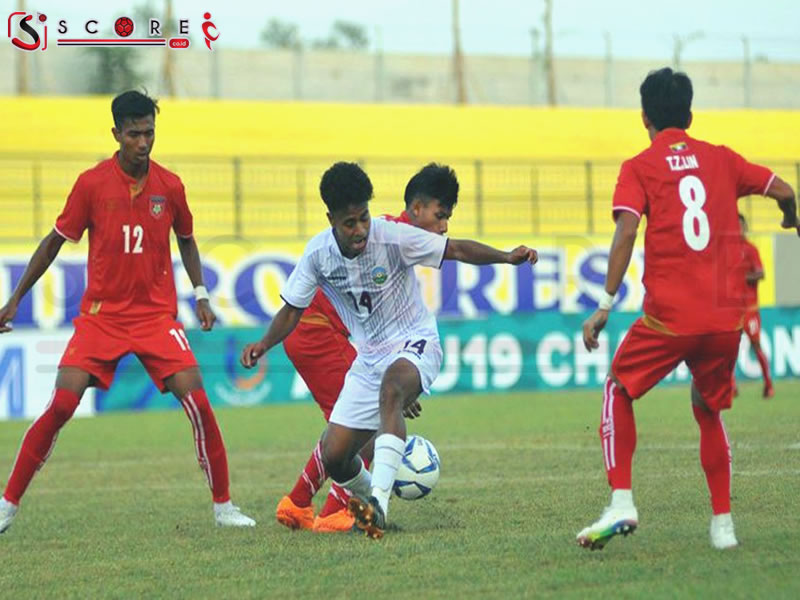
[34,35]
[207,27]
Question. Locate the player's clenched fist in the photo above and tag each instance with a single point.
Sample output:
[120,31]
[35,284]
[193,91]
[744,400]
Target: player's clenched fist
[205,315]
[251,354]
[522,254]
[791,222]
[6,314]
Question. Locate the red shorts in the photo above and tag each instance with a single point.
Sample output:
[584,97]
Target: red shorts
[322,356]
[646,356]
[752,326]
[99,342]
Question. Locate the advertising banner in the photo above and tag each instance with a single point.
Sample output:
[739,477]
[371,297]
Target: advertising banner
[244,279]
[28,365]
[496,353]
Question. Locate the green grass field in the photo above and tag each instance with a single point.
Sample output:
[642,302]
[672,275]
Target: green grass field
[121,509]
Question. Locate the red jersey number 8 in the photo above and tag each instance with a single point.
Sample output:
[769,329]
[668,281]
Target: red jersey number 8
[134,234]
[693,196]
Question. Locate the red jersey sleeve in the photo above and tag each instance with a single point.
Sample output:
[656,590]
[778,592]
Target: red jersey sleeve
[183,224]
[74,218]
[750,178]
[629,194]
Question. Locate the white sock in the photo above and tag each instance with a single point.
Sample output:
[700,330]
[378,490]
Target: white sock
[722,519]
[221,506]
[388,456]
[361,483]
[622,498]
[7,504]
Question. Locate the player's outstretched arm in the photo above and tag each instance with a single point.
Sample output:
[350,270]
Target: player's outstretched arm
[44,255]
[475,253]
[784,194]
[190,256]
[618,260]
[282,325]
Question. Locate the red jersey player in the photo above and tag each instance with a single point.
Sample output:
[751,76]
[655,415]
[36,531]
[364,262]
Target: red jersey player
[129,204]
[753,273]
[688,190]
[321,352]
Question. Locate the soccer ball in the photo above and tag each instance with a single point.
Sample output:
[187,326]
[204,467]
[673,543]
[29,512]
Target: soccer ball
[123,26]
[419,470]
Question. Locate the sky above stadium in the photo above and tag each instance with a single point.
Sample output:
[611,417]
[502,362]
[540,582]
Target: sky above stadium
[636,28]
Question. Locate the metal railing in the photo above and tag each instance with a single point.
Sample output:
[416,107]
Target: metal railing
[277,198]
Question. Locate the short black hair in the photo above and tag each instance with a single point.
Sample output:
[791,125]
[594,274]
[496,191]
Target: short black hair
[132,105]
[433,181]
[344,184]
[667,98]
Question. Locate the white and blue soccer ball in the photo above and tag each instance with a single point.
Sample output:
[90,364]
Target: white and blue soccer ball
[419,470]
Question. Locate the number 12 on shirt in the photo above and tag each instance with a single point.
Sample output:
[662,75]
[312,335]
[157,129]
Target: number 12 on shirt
[135,234]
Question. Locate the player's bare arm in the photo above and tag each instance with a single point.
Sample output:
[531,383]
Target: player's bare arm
[784,194]
[475,253]
[44,255]
[190,256]
[618,260]
[284,322]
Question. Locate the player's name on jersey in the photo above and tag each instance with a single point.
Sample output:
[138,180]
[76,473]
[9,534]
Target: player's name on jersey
[682,163]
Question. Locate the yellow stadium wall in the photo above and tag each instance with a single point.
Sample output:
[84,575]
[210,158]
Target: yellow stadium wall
[225,128]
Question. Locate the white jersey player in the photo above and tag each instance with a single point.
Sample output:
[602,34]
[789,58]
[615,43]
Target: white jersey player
[366,268]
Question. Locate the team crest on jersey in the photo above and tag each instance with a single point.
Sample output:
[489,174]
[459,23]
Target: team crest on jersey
[679,147]
[157,205]
[379,275]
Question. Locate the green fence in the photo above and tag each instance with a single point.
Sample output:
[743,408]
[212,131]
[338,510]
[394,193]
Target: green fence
[278,199]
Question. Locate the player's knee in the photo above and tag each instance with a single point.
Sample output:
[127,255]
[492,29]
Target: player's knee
[64,404]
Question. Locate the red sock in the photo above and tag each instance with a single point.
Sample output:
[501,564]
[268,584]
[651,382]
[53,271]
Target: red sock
[209,446]
[39,441]
[618,433]
[337,498]
[762,360]
[715,456]
[310,480]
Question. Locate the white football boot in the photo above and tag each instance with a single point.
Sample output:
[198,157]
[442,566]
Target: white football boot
[7,513]
[722,535]
[228,515]
[615,520]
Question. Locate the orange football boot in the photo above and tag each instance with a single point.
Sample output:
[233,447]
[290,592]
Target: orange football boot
[293,516]
[341,520]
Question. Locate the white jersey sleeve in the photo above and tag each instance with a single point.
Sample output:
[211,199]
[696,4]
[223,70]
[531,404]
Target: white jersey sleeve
[302,284]
[420,247]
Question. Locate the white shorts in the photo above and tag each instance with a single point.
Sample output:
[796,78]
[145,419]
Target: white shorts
[358,406]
